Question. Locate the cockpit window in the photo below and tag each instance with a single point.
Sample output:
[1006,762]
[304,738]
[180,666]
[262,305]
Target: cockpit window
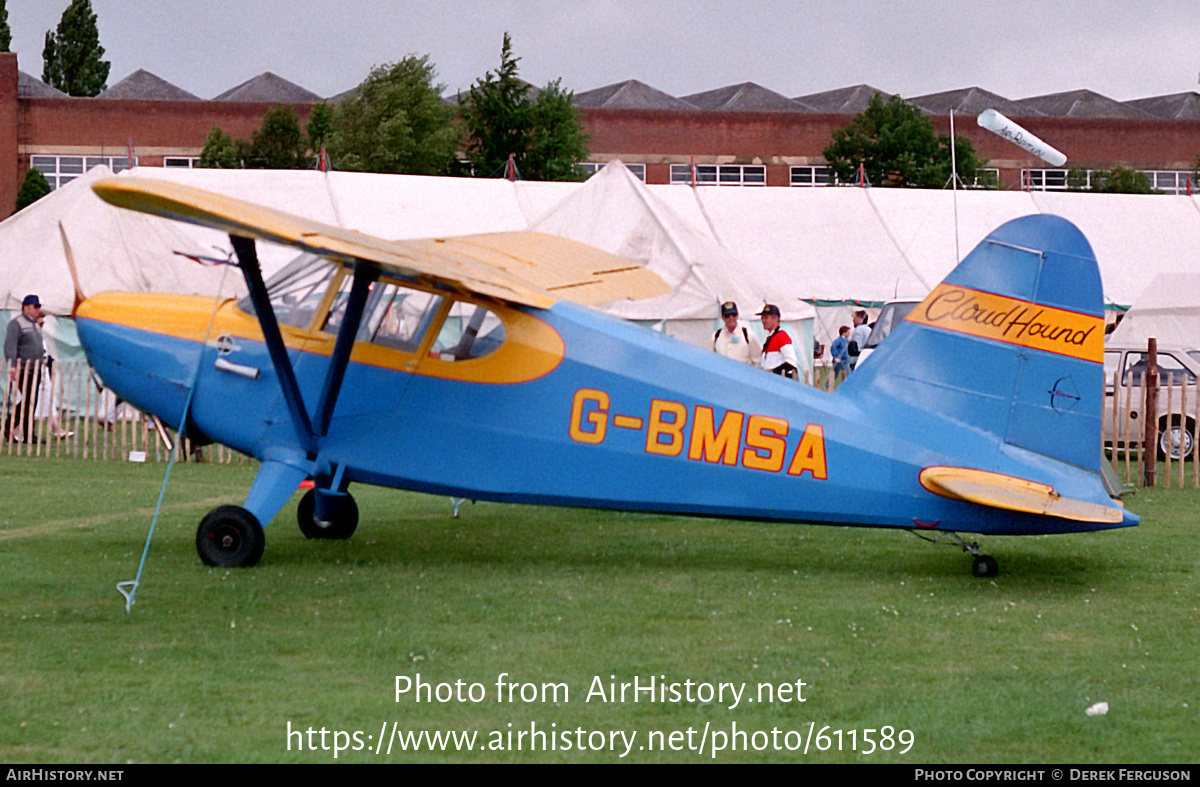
[394,316]
[470,331]
[296,290]
[400,318]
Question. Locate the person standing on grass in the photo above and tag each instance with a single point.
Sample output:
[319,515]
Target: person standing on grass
[23,352]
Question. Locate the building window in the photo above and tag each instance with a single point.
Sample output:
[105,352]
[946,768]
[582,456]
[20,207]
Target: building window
[180,162]
[1044,179]
[1164,181]
[811,176]
[1169,181]
[719,174]
[61,170]
[592,167]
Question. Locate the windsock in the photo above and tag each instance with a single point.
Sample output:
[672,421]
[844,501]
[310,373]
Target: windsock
[998,124]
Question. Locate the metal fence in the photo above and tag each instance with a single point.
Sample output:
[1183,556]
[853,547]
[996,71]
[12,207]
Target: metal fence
[62,410]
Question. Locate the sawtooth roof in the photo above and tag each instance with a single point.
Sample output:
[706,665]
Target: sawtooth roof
[1180,106]
[1083,104]
[269,87]
[746,97]
[29,85]
[141,84]
[630,94]
[971,101]
[844,99]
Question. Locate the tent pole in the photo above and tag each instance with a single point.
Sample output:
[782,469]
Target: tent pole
[954,183]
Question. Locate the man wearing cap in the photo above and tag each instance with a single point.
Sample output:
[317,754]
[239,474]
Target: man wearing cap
[23,352]
[778,355]
[735,341]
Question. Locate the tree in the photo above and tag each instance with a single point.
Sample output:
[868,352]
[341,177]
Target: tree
[498,116]
[558,143]
[320,126]
[5,31]
[33,188]
[71,57]
[278,143]
[544,136]
[397,122]
[896,144]
[222,151]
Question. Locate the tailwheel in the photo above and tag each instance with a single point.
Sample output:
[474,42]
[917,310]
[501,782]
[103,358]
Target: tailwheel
[981,566]
[341,515]
[230,537]
[985,566]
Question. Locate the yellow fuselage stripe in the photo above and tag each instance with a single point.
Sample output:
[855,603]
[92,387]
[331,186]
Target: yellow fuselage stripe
[531,349]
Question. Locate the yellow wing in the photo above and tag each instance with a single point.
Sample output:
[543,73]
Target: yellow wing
[527,268]
[1013,494]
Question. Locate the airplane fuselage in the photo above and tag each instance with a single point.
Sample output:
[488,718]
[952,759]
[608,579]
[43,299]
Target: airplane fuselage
[576,409]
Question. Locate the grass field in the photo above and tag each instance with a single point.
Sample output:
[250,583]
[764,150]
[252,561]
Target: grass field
[883,630]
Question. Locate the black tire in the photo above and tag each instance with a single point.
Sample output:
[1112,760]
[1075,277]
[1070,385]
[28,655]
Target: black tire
[230,537]
[1179,435]
[985,566]
[343,524]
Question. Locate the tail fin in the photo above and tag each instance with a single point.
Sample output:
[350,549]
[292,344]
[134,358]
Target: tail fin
[1011,343]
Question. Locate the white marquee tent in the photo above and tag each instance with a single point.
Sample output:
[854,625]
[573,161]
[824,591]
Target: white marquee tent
[762,244]
[1168,310]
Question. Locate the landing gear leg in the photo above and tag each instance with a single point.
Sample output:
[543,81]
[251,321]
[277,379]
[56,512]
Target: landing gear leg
[981,566]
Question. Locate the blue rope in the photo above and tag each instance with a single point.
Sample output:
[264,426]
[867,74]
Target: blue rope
[128,588]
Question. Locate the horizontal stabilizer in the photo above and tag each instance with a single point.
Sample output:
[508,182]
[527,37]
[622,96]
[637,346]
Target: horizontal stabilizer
[1013,494]
[527,268]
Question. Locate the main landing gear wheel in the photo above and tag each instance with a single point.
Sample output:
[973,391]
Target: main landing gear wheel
[985,566]
[230,537]
[342,524]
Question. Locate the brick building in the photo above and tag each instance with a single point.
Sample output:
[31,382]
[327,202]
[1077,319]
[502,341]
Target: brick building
[742,135]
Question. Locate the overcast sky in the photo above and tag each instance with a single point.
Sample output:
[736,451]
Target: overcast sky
[1017,48]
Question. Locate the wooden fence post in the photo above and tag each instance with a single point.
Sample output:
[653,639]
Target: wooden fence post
[1150,413]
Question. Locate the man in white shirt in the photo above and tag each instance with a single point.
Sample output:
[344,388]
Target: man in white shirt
[736,341]
[859,336]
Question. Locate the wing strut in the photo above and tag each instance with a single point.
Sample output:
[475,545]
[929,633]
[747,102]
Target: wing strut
[248,262]
[364,275]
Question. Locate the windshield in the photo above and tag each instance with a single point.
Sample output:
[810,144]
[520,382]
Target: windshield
[892,315]
[296,290]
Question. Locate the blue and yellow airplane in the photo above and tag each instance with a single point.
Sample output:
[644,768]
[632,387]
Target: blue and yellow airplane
[471,367]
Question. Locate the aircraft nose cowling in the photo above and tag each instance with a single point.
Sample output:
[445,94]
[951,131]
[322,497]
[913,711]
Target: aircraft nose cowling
[145,347]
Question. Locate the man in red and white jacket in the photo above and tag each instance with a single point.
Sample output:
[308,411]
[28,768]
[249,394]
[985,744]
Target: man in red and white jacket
[779,355]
